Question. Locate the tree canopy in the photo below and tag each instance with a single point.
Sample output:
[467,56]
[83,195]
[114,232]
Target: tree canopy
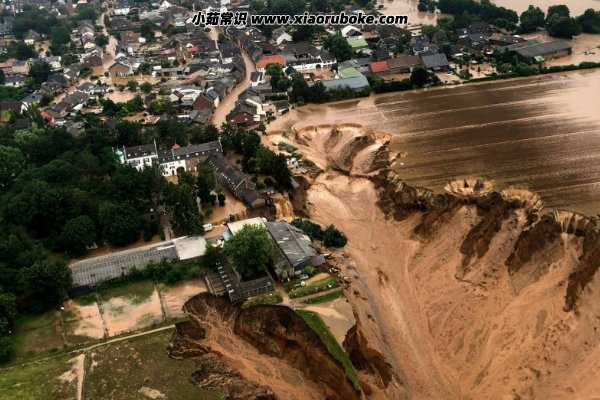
[249,250]
[531,19]
[339,47]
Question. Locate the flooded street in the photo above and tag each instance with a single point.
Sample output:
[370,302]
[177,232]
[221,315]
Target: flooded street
[541,133]
[228,102]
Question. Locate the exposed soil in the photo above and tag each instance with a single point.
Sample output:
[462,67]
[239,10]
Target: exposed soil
[465,292]
[469,294]
[121,314]
[263,352]
[174,297]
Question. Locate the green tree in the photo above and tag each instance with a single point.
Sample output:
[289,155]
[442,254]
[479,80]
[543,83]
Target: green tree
[531,19]
[333,237]
[205,182]
[121,224]
[560,10]
[281,172]
[264,159]
[147,30]
[21,50]
[40,71]
[8,312]
[562,26]
[339,47]
[2,77]
[213,257]
[60,35]
[146,87]
[77,234]
[45,284]
[313,230]
[419,77]
[12,162]
[101,40]
[250,250]
[429,30]
[590,21]
[7,349]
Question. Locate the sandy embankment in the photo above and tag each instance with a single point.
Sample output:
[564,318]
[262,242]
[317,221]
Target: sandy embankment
[450,332]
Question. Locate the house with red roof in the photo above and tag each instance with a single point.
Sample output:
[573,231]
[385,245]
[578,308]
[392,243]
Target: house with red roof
[380,68]
[262,63]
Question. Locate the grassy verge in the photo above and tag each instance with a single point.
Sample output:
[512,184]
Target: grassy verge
[316,287]
[135,368]
[265,299]
[318,325]
[39,380]
[325,298]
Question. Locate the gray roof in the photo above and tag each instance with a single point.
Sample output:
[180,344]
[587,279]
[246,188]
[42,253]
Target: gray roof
[435,61]
[197,150]
[140,151]
[355,82]
[294,244]
[104,268]
[521,45]
[543,49]
[226,173]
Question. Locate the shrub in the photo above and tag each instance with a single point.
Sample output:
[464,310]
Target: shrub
[332,237]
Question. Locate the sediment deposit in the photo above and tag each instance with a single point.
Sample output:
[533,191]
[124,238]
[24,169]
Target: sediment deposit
[473,293]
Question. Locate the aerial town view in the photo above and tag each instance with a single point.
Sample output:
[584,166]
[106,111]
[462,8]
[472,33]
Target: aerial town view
[299,199]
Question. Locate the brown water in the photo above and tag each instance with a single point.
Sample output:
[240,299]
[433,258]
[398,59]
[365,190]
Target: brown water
[541,133]
[577,7]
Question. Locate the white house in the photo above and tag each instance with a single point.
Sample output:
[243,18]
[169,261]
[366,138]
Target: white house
[121,8]
[280,36]
[139,157]
[351,32]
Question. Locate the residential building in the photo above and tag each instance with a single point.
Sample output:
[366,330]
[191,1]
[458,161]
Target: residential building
[139,157]
[14,80]
[403,64]
[229,176]
[434,62]
[271,59]
[187,157]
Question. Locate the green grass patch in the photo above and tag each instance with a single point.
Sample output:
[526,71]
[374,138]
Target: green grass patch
[86,299]
[317,324]
[136,292]
[38,381]
[265,299]
[122,369]
[37,333]
[325,298]
[315,287]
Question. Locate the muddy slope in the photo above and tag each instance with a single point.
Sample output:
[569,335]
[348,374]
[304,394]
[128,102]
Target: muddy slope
[263,352]
[470,294]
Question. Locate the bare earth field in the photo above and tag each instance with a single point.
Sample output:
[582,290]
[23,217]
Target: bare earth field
[130,308]
[174,297]
[121,309]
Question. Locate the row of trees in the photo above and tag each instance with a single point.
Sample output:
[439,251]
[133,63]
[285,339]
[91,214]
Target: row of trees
[558,21]
[331,236]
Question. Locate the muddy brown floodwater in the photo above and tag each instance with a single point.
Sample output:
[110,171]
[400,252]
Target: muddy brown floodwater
[542,134]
